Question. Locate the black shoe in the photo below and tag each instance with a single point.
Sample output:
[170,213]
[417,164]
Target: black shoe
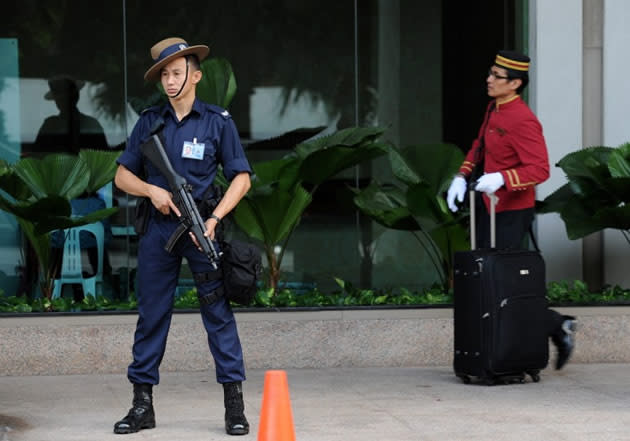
[235,421]
[565,341]
[141,415]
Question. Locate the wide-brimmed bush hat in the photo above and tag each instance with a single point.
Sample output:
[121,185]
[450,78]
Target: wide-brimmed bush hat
[165,51]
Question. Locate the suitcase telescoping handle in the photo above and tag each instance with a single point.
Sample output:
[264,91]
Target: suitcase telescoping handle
[473,220]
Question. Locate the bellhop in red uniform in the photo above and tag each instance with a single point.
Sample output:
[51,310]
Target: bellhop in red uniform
[511,151]
[514,147]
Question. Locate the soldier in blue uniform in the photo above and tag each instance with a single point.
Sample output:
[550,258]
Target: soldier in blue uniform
[197,137]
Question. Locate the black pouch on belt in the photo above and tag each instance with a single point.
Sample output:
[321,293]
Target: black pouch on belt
[242,269]
[143,211]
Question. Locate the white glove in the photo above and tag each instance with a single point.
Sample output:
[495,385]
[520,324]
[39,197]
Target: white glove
[490,182]
[456,190]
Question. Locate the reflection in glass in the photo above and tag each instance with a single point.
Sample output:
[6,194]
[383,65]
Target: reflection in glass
[413,67]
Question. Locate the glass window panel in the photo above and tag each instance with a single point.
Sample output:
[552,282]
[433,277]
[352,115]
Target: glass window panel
[294,67]
[61,90]
[416,68]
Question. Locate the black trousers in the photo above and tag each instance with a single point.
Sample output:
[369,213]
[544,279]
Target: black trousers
[511,232]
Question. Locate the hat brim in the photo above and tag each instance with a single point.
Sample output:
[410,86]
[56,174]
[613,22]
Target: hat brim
[153,74]
[50,95]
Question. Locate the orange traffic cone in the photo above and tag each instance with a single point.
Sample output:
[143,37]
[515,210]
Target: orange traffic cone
[276,418]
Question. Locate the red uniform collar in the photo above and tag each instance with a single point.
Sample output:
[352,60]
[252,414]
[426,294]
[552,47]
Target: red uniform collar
[512,101]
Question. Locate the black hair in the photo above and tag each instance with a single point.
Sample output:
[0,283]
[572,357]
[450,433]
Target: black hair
[523,76]
[193,59]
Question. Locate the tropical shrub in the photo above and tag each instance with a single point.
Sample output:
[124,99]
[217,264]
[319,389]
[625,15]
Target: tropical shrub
[597,193]
[283,188]
[38,193]
[415,202]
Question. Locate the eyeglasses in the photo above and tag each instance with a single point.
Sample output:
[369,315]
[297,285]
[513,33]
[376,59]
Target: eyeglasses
[492,74]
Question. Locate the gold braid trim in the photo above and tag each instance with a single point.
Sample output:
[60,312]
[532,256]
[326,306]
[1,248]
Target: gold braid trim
[515,181]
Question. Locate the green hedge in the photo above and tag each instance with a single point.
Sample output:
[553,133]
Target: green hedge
[558,293]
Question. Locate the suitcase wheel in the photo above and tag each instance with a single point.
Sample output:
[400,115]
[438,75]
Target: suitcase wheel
[506,379]
[465,378]
[535,375]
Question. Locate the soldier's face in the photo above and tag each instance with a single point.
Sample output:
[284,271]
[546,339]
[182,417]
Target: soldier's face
[174,74]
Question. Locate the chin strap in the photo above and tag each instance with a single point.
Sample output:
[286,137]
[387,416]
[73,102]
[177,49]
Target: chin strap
[185,80]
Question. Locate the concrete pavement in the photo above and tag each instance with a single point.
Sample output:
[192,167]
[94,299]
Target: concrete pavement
[589,402]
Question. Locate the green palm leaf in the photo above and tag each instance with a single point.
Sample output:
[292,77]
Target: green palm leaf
[324,157]
[619,162]
[11,183]
[218,83]
[597,194]
[386,204]
[38,209]
[349,137]
[324,164]
[102,166]
[422,203]
[56,174]
[270,218]
[247,220]
[434,164]
[590,163]
[283,172]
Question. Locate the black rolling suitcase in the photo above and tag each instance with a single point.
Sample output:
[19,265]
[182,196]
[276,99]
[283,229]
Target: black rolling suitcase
[499,310]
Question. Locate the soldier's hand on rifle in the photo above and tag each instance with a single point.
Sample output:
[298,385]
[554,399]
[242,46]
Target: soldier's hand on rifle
[210,225]
[162,200]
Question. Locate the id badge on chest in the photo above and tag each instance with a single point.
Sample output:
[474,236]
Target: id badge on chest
[193,150]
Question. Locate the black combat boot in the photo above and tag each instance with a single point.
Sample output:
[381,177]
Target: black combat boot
[141,415]
[235,421]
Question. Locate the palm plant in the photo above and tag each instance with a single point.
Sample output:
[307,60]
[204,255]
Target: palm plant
[218,84]
[597,195]
[415,203]
[38,193]
[283,188]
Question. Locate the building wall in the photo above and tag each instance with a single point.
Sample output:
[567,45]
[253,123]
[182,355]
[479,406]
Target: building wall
[579,76]
[616,123]
[556,97]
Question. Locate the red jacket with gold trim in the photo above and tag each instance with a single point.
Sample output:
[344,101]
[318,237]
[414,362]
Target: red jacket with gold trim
[514,146]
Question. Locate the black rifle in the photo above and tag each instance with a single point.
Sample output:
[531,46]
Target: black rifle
[190,219]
